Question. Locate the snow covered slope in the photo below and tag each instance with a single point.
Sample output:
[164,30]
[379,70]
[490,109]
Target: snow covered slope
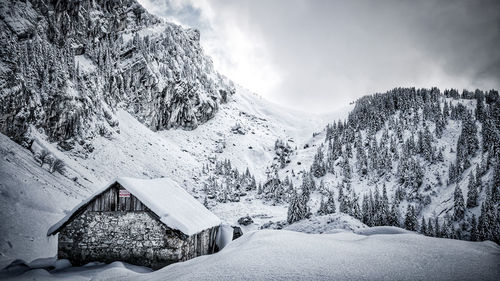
[288,255]
[332,223]
[284,255]
[31,199]
[66,67]
[425,149]
[40,198]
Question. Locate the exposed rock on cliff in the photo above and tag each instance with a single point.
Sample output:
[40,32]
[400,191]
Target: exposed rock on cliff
[66,66]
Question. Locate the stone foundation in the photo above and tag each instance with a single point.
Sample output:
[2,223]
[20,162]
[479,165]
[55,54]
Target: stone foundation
[133,237]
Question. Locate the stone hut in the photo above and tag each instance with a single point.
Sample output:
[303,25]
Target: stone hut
[145,222]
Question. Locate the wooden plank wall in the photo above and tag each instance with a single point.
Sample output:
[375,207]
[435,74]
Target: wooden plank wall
[110,201]
[213,236]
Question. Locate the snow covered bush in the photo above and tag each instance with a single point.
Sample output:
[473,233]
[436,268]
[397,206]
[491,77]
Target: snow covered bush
[57,166]
[43,157]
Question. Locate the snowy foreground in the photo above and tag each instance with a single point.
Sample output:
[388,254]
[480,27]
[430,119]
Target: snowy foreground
[380,253]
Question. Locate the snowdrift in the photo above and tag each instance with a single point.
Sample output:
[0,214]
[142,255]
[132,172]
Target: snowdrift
[288,255]
[381,230]
[327,224]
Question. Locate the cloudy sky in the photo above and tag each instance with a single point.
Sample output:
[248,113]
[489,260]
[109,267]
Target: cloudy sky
[321,55]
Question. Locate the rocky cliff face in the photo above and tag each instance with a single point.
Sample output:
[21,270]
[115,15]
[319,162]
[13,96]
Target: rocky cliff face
[66,66]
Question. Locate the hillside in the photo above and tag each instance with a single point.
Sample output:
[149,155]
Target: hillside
[420,159]
[407,155]
[67,66]
[139,152]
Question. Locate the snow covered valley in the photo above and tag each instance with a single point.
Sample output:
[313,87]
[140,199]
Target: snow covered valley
[41,198]
[400,185]
[322,247]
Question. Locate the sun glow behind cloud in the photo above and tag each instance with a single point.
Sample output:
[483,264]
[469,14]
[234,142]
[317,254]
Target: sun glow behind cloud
[320,55]
[236,51]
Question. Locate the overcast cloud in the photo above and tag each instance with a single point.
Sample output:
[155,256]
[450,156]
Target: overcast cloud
[320,55]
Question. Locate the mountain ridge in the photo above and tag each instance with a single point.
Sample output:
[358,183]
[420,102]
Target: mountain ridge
[68,65]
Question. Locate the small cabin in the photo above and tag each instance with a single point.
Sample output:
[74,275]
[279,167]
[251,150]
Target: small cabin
[151,223]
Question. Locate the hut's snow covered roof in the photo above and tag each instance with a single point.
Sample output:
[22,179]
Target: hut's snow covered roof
[175,207]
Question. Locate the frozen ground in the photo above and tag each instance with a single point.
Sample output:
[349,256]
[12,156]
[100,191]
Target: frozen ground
[381,254]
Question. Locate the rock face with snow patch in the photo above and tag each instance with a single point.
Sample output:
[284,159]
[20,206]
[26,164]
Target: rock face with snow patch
[66,66]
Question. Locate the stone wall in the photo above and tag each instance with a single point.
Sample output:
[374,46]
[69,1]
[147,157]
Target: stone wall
[133,237]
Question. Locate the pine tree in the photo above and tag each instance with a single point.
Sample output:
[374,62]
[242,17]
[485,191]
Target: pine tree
[394,216]
[473,230]
[361,161]
[423,227]
[298,209]
[346,169]
[322,207]
[344,202]
[279,193]
[458,204]
[366,211]
[322,189]
[467,144]
[330,203]
[355,209]
[318,167]
[445,230]
[430,229]
[479,182]
[487,220]
[377,217]
[294,211]
[411,222]
[341,192]
[410,175]
[480,110]
[495,189]
[306,185]
[472,192]
[452,174]
[449,230]
[437,229]
[253,183]
[327,207]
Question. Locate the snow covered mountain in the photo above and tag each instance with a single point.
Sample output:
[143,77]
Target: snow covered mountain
[31,191]
[68,66]
[92,90]
[420,159]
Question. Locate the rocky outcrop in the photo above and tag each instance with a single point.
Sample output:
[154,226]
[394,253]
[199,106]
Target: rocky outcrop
[247,220]
[67,66]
